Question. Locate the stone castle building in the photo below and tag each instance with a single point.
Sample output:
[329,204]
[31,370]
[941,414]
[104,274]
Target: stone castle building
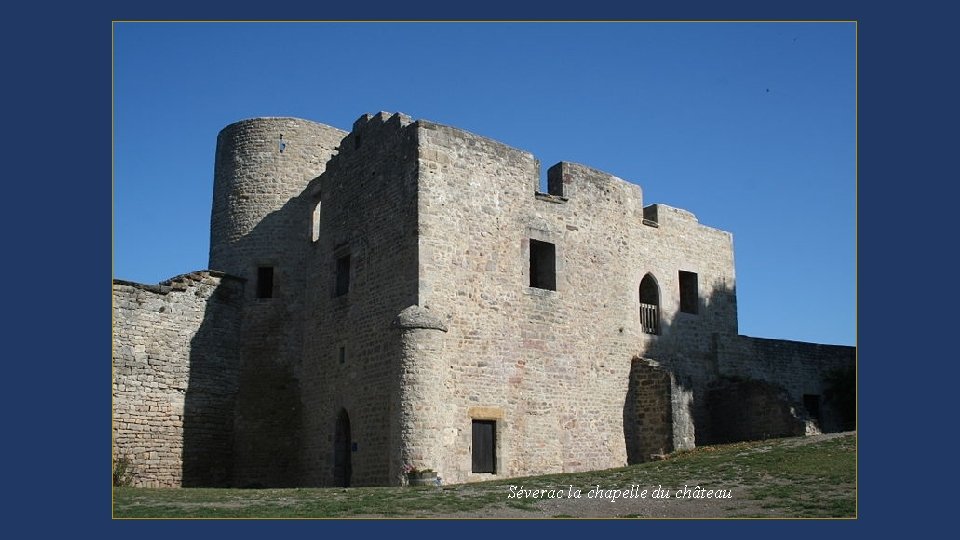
[403,294]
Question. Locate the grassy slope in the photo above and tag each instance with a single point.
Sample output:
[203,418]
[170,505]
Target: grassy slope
[794,480]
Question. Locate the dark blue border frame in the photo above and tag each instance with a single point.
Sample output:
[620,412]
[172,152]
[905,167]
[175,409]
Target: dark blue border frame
[59,138]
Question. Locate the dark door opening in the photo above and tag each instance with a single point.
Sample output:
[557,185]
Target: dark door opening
[341,451]
[812,403]
[484,446]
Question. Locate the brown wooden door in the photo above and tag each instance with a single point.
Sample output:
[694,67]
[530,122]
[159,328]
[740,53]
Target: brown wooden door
[484,446]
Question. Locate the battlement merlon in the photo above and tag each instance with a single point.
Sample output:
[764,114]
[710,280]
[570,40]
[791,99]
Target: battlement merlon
[397,119]
[571,181]
[439,144]
[670,217]
[378,131]
[373,126]
[566,181]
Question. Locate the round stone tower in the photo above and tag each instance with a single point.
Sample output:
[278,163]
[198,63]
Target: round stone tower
[262,166]
[260,230]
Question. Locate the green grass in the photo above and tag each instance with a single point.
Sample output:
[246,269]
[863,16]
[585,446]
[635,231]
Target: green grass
[768,478]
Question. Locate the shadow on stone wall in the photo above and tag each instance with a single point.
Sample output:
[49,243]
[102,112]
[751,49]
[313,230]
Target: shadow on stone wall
[664,409]
[267,419]
[840,399]
[686,350]
[648,412]
[242,412]
[676,386]
[749,409]
[208,410]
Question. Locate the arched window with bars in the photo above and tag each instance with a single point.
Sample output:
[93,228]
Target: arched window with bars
[649,305]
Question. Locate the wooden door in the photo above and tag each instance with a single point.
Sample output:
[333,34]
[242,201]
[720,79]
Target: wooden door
[484,446]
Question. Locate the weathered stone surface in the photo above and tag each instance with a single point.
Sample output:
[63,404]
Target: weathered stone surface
[417,317]
[175,374]
[750,409]
[402,311]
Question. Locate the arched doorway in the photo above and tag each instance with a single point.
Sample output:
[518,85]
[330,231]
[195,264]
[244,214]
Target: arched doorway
[649,305]
[341,450]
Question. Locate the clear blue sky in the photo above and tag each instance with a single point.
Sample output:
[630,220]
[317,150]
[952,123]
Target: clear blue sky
[751,126]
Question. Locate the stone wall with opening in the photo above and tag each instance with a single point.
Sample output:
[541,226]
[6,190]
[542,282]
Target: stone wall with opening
[359,274]
[538,308]
[261,229]
[648,412]
[800,368]
[556,356]
[750,409]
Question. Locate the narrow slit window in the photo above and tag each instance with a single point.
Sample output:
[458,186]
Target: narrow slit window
[543,265]
[343,275]
[342,355]
[265,282]
[689,294]
[315,223]
[484,446]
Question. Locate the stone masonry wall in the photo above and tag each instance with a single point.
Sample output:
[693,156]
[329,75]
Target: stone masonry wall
[552,367]
[173,384]
[262,167]
[368,214]
[421,402]
[749,409]
[261,216]
[432,228]
[799,368]
[648,413]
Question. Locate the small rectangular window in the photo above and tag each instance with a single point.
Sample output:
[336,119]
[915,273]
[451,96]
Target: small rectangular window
[484,446]
[265,282]
[689,294]
[343,355]
[343,275]
[543,265]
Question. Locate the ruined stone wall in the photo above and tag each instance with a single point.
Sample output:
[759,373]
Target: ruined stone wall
[261,217]
[799,368]
[368,213]
[686,345]
[175,377]
[750,409]
[552,366]
[648,413]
